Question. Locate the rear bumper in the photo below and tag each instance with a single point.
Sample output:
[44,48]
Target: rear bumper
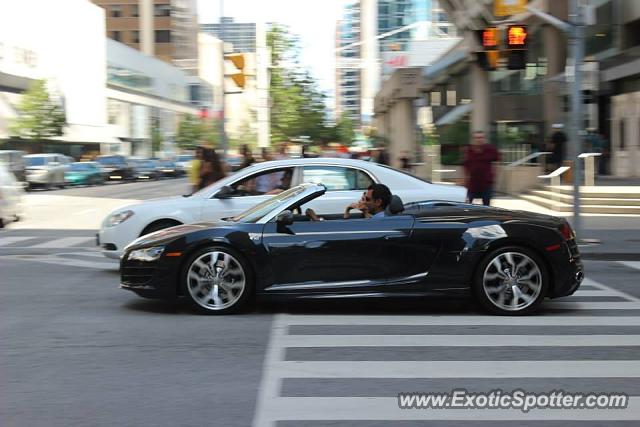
[568,270]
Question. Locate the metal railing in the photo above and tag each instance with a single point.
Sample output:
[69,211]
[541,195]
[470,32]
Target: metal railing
[525,159]
[555,179]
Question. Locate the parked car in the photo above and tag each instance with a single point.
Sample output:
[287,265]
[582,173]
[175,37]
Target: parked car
[169,168]
[183,162]
[509,261]
[14,162]
[11,193]
[345,180]
[45,170]
[115,168]
[145,169]
[84,173]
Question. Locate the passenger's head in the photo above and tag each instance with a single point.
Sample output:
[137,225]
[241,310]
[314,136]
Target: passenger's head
[286,178]
[377,198]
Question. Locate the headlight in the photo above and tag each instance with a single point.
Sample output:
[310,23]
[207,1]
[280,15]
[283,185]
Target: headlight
[118,218]
[146,254]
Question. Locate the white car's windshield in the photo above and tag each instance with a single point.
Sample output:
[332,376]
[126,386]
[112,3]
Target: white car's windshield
[260,210]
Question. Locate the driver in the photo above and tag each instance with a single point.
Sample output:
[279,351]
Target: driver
[373,203]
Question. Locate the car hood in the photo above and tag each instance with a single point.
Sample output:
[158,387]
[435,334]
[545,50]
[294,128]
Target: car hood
[167,235]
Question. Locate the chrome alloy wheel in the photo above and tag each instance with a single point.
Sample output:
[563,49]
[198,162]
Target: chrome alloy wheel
[512,281]
[216,280]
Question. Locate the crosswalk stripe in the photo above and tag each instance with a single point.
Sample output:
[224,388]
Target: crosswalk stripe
[386,408]
[13,239]
[594,293]
[458,369]
[580,305]
[64,242]
[632,264]
[459,340]
[613,291]
[452,320]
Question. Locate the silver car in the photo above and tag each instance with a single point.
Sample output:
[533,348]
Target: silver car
[46,170]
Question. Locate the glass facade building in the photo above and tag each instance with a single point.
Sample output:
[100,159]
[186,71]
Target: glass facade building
[241,35]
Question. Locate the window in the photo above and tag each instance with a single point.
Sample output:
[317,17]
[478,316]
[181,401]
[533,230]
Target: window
[337,178]
[162,10]
[163,36]
[116,11]
[133,10]
[435,99]
[135,36]
[451,98]
[116,35]
[272,181]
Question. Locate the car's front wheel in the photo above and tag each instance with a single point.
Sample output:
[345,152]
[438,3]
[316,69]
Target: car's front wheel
[511,281]
[217,280]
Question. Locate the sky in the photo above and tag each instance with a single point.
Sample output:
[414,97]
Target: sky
[314,21]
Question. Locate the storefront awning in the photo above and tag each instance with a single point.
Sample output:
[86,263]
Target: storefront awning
[455,114]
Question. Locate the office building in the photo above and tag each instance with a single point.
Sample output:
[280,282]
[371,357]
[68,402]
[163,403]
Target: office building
[241,35]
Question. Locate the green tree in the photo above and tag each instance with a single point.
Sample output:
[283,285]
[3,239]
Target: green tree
[345,130]
[39,117]
[298,107]
[193,131]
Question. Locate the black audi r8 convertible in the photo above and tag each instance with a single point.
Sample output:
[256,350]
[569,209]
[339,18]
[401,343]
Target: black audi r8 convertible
[508,260]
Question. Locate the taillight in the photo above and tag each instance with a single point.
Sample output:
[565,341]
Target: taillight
[566,231]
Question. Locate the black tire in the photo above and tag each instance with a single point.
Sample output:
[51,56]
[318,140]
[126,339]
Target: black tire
[241,302]
[534,294]
[159,225]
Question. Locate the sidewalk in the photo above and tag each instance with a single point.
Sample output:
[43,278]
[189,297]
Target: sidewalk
[618,235]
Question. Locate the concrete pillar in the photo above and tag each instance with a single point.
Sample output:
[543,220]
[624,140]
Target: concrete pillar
[403,135]
[480,114]
[555,51]
[147,34]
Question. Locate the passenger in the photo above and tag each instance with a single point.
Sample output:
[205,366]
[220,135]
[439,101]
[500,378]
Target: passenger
[285,182]
[373,203]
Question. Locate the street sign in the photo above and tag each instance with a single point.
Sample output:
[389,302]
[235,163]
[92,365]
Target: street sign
[509,7]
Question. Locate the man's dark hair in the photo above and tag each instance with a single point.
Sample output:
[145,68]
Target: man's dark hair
[380,192]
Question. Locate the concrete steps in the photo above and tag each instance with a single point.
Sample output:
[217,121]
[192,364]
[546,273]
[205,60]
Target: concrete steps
[596,200]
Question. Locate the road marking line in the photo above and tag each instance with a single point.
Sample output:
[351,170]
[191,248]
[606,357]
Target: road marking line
[595,293]
[64,242]
[632,264]
[459,369]
[453,320]
[459,340]
[610,289]
[580,305]
[86,211]
[14,239]
[64,261]
[386,409]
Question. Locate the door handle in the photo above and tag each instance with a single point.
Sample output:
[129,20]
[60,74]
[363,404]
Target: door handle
[393,236]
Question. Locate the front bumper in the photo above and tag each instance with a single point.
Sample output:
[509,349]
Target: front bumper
[156,279]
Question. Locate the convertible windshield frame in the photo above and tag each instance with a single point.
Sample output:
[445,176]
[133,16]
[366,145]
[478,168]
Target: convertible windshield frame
[268,209]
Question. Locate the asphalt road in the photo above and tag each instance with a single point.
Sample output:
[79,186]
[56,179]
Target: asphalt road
[75,350]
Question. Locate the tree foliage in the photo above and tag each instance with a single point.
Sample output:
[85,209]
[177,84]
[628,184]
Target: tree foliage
[193,131]
[344,130]
[40,117]
[298,107]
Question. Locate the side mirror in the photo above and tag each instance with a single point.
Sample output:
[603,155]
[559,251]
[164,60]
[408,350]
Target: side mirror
[285,218]
[224,193]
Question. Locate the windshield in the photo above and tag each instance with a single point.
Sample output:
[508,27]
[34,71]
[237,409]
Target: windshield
[35,161]
[110,160]
[260,210]
[81,167]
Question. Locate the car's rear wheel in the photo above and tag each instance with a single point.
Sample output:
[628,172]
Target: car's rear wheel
[217,280]
[511,281]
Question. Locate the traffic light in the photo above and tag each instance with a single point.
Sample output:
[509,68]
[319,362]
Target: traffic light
[239,78]
[489,55]
[517,36]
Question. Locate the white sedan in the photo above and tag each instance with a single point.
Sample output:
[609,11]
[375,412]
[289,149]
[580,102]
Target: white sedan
[345,180]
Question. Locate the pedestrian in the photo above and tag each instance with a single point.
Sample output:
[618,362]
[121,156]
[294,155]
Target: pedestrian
[194,170]
[383,157]
[405,161]
[479,175]
[265,154]
[559,142]
[247,156]
[211,169]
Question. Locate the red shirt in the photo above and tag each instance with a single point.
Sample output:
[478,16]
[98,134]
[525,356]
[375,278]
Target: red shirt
[478,167]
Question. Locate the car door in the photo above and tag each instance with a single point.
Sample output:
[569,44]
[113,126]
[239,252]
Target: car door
[354,255]
[345,185]
[246,191]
